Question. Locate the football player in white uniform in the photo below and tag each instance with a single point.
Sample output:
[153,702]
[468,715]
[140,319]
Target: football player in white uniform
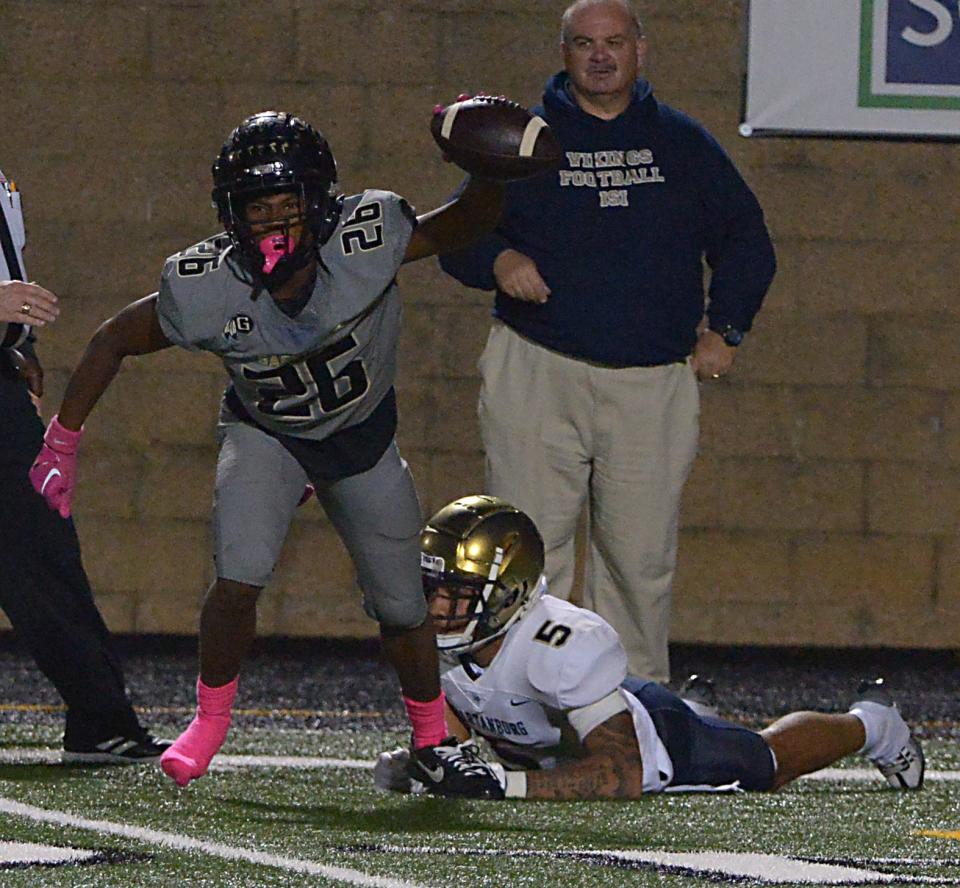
[545,682]
[299,300]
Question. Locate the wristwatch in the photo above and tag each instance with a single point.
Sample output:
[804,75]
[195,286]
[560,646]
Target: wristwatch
[731,335]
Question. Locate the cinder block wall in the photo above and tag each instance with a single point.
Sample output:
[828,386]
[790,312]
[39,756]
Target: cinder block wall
[823,508]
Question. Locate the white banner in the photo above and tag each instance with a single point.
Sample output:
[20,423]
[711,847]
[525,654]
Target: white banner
[853,67]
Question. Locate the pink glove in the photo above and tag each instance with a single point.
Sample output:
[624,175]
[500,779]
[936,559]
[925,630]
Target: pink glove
[54,471]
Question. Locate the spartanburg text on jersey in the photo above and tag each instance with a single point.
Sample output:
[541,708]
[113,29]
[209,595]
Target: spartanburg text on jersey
[329,366]
[558,658]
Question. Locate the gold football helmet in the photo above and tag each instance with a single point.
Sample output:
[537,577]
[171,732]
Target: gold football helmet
[487,557]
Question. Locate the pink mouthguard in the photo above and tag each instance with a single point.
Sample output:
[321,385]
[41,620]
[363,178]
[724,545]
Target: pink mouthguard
[274,248]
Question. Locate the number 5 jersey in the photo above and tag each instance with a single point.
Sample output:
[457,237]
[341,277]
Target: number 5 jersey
[556,676]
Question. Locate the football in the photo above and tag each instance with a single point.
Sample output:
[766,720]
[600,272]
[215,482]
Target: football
[494,138]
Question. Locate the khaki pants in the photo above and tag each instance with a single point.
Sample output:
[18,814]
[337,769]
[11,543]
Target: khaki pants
[560,433]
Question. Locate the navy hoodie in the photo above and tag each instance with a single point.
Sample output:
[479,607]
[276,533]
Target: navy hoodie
[619,234]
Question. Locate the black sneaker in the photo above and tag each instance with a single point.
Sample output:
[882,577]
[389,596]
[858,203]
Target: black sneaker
[118,751]
[454,769]
[700,695]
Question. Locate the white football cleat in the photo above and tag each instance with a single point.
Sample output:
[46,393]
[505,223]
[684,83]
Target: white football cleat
[905,769]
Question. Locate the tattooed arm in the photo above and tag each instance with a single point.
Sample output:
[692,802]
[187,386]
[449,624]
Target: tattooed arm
[611,768]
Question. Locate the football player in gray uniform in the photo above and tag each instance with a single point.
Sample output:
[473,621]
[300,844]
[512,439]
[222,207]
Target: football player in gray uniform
[299,300]
[546,684]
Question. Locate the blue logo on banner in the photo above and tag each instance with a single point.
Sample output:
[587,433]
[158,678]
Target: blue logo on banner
[910,54]
[923,42]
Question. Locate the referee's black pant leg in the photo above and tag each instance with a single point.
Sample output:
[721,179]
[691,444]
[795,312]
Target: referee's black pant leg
[46,595]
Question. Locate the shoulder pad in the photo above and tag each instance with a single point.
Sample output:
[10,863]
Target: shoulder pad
[576,657]
[374,228]
[199,259]
[186,314]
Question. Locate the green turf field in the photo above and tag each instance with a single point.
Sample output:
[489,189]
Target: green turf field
[252,824]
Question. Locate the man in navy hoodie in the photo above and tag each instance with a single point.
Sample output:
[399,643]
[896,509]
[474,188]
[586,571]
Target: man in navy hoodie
[589,377]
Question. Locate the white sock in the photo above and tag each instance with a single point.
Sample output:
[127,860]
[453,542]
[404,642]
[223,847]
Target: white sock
[887,733]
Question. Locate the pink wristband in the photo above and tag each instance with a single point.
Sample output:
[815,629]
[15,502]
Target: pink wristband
[62,439]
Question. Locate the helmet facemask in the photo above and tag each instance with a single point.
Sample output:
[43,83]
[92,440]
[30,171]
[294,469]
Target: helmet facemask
[464,601]
[274,250]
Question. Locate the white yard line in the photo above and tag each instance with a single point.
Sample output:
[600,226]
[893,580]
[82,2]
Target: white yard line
[27,756]
[185,843]
[856,775]
[757,868]
[220,763]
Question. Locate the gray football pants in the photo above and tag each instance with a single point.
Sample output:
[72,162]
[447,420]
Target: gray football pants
[376,513]
[560,433]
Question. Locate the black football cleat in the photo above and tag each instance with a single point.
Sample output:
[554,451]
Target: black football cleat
[138,750]
[456,770]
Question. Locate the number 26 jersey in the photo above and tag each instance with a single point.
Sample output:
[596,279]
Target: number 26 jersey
[331,364]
